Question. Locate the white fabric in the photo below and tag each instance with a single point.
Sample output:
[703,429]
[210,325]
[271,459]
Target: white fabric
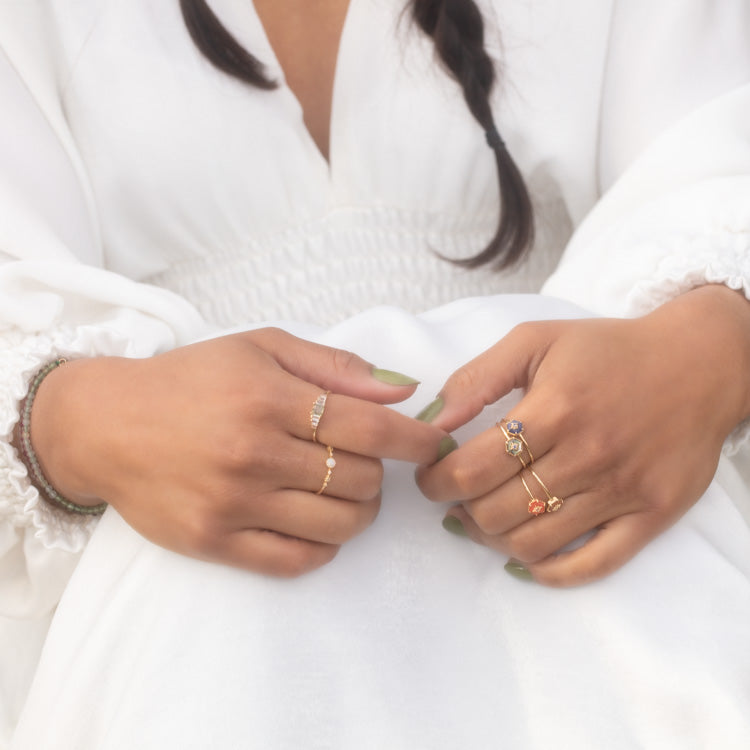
[148,199]
[411,638]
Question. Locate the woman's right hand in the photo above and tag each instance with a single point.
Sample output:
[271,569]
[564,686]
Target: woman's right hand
[207,449]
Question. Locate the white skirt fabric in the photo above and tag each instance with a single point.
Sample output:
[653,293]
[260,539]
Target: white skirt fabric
[411,638]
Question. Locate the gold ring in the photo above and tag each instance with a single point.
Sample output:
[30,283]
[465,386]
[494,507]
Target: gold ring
[515,442]
[316,413]
[330,463]
[536,506]
[553,503]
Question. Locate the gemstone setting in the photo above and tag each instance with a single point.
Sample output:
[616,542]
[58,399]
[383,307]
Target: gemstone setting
[513,446]
[514,426]
[537,507]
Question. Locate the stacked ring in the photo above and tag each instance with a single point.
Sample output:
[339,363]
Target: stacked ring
[330,463]
[515,442]
[553,504]
[537,506]
[316,414]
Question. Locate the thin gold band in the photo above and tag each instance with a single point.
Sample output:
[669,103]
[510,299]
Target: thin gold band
[316,414]
[515,444]
[330,463]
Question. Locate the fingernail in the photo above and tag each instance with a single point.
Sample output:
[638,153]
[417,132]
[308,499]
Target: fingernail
[518,571]
[392,378]
[431,410]
[454,525]
[447,445]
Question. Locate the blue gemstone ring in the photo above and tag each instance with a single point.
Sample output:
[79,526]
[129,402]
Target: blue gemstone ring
[515,442]
[514,426]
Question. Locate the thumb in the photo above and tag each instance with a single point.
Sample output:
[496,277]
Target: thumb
[508,364]
[333,369]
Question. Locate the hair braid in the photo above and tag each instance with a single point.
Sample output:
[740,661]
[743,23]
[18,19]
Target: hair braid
[457,30]
[220,47]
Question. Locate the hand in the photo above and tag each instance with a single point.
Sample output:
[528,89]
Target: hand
[625,418]
[207,450]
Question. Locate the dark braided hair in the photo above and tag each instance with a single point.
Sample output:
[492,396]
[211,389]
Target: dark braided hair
[457,30]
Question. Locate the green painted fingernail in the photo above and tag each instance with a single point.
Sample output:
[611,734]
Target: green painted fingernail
[454,525]
[431,410]
[391,377]
[518,571]
[447,445]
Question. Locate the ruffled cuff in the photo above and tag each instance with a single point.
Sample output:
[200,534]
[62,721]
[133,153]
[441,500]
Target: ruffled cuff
[698,236]
[723,257]
[20,504]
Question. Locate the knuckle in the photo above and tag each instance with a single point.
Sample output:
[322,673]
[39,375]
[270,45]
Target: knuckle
[659,497]
[364,481]
[464,379]
[302,558]
[567,576]
[344,361]
[468,477]
[375,427]
[376,473]
[525,547]
[485,516]
[294,562]
[267,335]
[368,512]
[201,536]
[356,519]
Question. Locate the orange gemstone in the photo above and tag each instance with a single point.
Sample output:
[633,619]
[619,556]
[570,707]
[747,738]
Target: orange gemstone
[537,507]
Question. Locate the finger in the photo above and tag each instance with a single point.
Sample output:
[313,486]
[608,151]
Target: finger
[316,518]
[273,461]
[481,465]
[274,554]
[507,365]
[536,538]
[332,369]
[337,473]
[362,427]
[609,549]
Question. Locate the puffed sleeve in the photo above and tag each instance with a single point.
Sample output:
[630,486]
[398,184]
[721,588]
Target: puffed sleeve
[674,162]
[56,299]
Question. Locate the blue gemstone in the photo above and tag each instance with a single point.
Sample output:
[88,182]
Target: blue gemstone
[515,426]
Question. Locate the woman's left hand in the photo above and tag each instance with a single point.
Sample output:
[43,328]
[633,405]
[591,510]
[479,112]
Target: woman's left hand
[625,419]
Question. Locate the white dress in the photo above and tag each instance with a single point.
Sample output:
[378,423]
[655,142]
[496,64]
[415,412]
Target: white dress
[150,200]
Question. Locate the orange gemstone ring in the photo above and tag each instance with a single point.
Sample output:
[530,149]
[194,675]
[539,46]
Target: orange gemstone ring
[537,506]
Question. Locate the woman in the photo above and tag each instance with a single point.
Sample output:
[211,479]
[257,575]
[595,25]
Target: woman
[247,203]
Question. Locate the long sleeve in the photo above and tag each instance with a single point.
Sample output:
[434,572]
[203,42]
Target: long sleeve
[674,163]
[55,299]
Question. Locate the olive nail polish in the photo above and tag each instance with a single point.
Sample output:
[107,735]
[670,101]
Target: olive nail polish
[447,445]
[454,525]
[517,570]
[431,410]
[390,377]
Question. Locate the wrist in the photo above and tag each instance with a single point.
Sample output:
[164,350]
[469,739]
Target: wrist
[714,321]
[54,435]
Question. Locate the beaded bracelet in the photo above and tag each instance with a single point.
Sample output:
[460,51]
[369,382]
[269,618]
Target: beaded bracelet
[45,489]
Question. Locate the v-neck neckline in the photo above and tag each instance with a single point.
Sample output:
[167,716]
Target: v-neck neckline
[271,61]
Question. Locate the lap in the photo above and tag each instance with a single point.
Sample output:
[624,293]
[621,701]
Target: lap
[410,638]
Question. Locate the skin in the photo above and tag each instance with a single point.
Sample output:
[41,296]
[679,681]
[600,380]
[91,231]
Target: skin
[626,419]
[615,411]
[207,450]
[305,36]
